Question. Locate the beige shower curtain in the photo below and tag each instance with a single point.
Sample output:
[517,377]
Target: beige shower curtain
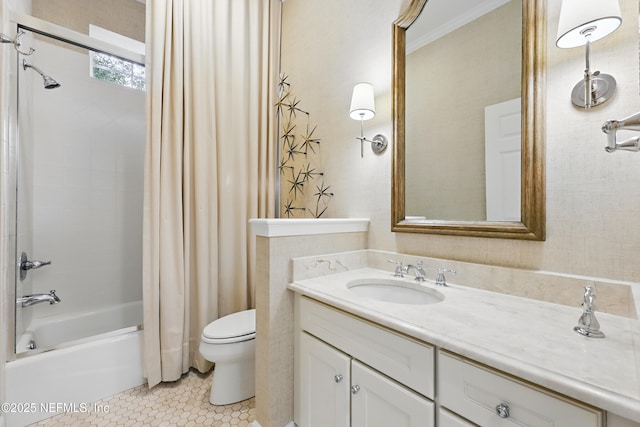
[209,167]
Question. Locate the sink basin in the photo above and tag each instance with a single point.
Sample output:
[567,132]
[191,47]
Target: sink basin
[395,291]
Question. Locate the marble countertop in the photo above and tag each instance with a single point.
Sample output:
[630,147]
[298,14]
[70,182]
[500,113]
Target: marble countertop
[530,339]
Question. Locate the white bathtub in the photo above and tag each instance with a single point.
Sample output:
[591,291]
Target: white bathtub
[82,370]
[51,331]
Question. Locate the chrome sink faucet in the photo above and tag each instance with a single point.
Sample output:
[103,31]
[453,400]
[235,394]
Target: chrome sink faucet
[419,271]
[27,300]
[402,270]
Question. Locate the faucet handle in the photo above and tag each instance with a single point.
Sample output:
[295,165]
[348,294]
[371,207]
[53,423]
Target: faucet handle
[588,325]
[399,269]
[441,280]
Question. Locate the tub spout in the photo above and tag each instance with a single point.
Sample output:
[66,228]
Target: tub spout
[27,300]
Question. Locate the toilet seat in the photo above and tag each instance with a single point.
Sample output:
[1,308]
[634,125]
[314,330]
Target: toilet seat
[236,327]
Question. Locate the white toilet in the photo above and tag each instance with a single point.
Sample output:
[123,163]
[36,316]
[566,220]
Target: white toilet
[229,342]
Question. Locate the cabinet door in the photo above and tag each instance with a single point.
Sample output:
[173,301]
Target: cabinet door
[377,401]
[323,386]
[448,419]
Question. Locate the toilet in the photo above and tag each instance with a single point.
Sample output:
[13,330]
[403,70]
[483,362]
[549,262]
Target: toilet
[229,342]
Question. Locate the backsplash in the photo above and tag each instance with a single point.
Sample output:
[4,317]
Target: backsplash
[613,297]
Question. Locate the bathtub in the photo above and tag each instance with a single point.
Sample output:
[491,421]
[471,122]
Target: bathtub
[86,361]
[52,331]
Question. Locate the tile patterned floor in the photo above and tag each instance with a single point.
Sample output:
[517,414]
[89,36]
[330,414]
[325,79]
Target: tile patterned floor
[182,403]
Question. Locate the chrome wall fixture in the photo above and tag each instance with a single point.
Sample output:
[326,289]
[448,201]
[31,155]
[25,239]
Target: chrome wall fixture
[29,300]
[583,22]
[48,81]
[16,43]
[26,265]
[611,128]
[363,108]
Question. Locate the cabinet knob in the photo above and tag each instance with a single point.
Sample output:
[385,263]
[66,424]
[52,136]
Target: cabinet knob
[355,389]
[502,410]
[338,378]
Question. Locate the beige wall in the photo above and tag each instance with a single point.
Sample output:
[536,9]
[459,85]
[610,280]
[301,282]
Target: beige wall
[125,17]
[445,137]
[275,322]
[592,196]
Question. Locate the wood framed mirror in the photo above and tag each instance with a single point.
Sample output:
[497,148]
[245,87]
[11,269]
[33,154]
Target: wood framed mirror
[409,186]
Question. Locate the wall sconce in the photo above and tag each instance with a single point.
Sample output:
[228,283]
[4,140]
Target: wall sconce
[363,108]
[583,22]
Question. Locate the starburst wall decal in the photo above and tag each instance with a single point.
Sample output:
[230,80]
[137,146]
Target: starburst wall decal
[302,186]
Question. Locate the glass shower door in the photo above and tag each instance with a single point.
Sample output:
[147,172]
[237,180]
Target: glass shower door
[79,197]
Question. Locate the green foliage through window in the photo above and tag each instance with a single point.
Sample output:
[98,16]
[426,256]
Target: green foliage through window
[116,70]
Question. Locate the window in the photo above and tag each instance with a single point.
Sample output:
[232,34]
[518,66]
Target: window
[112,68]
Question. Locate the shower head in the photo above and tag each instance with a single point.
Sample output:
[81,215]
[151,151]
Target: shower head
[49,83]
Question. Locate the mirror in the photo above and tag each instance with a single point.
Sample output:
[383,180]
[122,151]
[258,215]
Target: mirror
[451,171]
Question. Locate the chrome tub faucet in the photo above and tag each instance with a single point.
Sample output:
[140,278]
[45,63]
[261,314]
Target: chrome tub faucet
[27,300]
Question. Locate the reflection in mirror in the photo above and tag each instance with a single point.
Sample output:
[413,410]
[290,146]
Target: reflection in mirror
[468,91]
[462,141]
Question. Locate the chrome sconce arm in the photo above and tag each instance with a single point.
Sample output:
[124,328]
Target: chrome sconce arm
[16,43]
[378,143]
[611,127]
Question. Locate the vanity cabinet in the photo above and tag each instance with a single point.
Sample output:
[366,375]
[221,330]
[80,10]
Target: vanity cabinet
[352,373]
[337,390]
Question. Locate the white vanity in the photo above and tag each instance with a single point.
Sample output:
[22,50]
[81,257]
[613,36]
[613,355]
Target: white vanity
[477,358]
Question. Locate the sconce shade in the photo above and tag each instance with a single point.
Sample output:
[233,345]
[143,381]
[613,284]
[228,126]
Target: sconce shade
[582,18]
[362,102]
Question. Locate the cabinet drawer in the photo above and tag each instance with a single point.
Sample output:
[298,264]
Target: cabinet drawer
[475,392]
[403,359]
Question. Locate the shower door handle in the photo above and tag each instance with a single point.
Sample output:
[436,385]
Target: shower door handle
[26,265]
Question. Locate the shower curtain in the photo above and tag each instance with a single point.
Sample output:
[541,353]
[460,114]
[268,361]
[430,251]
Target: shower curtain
[209,167]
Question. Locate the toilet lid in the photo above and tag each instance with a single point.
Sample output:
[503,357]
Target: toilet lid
[240,324]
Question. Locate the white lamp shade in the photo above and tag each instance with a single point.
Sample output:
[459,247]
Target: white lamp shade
[362,102]
[578,15]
